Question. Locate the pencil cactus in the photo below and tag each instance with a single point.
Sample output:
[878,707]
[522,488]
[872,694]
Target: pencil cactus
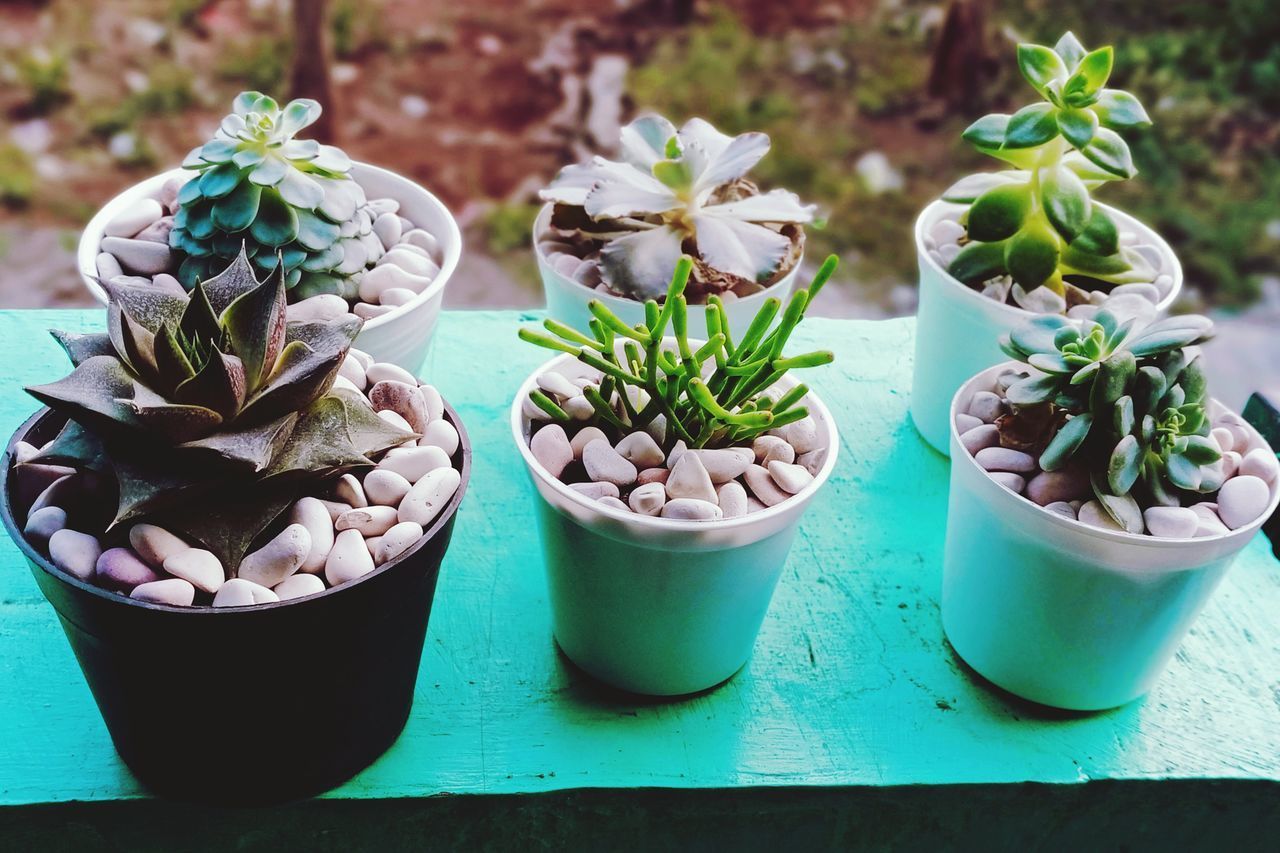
[677,192]
[1127,403]
[288,203]
[1037,222]
[210,411]
[713,394]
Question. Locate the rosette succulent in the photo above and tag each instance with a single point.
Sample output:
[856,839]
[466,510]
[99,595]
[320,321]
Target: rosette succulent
[289,203]
[1127,403]
[713,394]
[1037,222]
[208,412]
[678,192]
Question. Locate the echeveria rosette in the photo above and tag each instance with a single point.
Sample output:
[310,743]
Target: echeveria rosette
[283,200]
[210,411]
[1128,404]
[1037,223]
[677,192]
[714,394]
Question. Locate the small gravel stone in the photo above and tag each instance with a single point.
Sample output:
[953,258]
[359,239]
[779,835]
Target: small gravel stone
[279,558]
[763,486]
[133,218]
[1012,482]
[387,227]
[441,434]
[556,384]
[120,569]
[370,520]
[435,402]
[640,450]
[1171,522]
[238,592]
[404,399]
[1092,513]
[1261,463]
[396,420]
[1230,464]
[155,544]
[1242,499]
[325,307]
[791,478]
[396,296]
[429,496]
[579,408]
[946,231]
[604,464]
[298,586]
[42,524]
[1208,522]
[980,438]
[380,279]
[313,514]
[1224,438]
[615,503]
[653,475]
[334,508]
[75,553]
[414,463]
[551,447]
[385,488]
[353,371]
[766,448]
[172,591]
[596,491]
[583,437]
[965,422]
[802,435]
[201,568]
[349,559]
[1050,487]
[689,479]
[677,450]
[732,498]
[813,460]
[140,257]
[350,492]
[985,406]
[422,239]
[1062,508]
[727,463]
[648,499]
[107,266]
[690,509]
[385,371]
[1006,459]
[34,478]
[398,539]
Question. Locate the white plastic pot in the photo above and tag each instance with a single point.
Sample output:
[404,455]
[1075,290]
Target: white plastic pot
[567,299]
[957,328]
[1058,611]
[659,606]
[401,336]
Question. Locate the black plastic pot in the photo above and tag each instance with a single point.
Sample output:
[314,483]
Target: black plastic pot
[250,704]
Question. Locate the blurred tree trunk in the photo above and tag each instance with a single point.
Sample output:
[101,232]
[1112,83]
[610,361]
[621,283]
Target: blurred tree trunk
[960,57]
[309,75]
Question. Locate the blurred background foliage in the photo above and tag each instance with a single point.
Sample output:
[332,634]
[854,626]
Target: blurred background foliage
[864,99]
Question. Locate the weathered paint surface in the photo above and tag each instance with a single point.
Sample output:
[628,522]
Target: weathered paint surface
[852,685]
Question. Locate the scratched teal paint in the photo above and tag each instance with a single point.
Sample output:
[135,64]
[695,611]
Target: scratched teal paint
[851,682]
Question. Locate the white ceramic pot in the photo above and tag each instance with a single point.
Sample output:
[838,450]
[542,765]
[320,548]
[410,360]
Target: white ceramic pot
[659,606]
[401,336]
[567,299]
[1058,611]
[957,328]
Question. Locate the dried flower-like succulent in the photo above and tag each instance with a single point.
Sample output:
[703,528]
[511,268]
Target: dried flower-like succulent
[211,412]
[709,395]
[285,201]
[678,192]
[1129,403]
[1037,223]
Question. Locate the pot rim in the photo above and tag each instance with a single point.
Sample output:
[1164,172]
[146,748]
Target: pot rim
[964,457]
[15,533]
[450,242]
[817,409]
[542,219]
[1013,313]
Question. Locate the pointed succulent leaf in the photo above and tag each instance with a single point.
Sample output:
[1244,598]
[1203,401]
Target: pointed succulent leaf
[1120,110]
[223,523]
[1123,509]
[80,347]
[743,249]
[1033,390]
[173,422]
[255,327]
[254,446]
[1030,126]
[305,369]
[774,206]
[1039,334]
[988,132]
[76,447]
[1110,153]
[1124,465]
[1090,75]
[640,265]
[1040,64]
[644,140]
[1171,333]
[1070,49]
[1064,444]
[369,434]
[320,441]
[219,385]
[1078,126]
[173,367]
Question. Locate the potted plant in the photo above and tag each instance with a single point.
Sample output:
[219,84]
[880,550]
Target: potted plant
[1098,496]
[1001,247]
[240,522]
[614,231]
[348,236]
[671,476]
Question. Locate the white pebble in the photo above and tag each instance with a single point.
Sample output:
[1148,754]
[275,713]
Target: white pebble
[1171,522]
[74,552]
[398,539]
[557,385]
[133,218]
[1012,482]
[579,408]
[387,227]
[349,559]
[985,406]
[648,499]
[1092,513]
[1209,523]
[396,296]
[1006,459]
[769,447]
[369,311]
[980,437]
[583,437]
[802,435]
[551,447]
[403,398]
[350,492]
[691,509]
[763,486]
[1062,508]
[429,496]
[385,487]
[172,591]
[317,309]
[370,520]
[379,279]
[384,371]
[1261,463]
[596,491]
[353,372]
[728,463]
[604,464]
[414,463]
[314,514]
[1242,499]
[107,266]
[790,477]
[298,586]
[278,559]
[641,450]
[238,592]
[42,524]
[610,501]
[965,422]
[423,240]
[690,479]
[732,498]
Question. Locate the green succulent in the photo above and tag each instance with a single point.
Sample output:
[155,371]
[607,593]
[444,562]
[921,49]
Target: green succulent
[711,395]
[289,203]
[1037,222]
[1131,407]
[210,411]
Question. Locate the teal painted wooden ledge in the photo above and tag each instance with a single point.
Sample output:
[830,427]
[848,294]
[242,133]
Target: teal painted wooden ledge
[852,686]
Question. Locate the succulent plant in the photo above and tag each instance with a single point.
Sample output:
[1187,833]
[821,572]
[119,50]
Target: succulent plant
[1037,222]
[1127,403]
[675,193]
[289,203]
[711,394]
[209,411]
